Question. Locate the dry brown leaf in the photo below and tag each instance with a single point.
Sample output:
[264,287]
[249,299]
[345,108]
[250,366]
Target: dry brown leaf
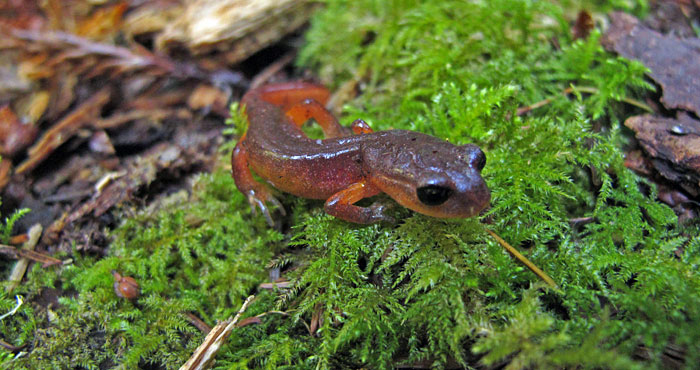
[316,319]
[674,62]
[151,17]
[35,105]
[583,26]
[208,97]
[21,14]
[103,23]
[65,62]
[14,134]
[13,85]
[100,143]
[5,167]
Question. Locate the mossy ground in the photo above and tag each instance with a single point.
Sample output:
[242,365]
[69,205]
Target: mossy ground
[421,290]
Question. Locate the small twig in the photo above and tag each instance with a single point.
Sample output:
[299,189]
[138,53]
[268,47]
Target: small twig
[21,265]
[539,104]
[9,250]
[581,220]
[514,252]
[585,89]
[198,323]
[67,196]
[10,347]
[203,357]
[275,285]
[35,256]
[43,258]
[273,68]
[256,319]
[272,312]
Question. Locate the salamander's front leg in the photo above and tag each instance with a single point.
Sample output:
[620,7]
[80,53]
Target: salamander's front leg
[257,193]
[310,108]
[341,205]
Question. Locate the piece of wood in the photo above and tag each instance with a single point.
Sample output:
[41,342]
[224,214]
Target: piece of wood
[21,266]
[203,357]
[238,28]
[673,145]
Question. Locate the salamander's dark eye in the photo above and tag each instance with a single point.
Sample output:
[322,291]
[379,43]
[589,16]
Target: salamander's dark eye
[475,156]
[433,195]
[479,160]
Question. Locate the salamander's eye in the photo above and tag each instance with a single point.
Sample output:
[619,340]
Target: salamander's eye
[475,156]
[479,160]
[433,195]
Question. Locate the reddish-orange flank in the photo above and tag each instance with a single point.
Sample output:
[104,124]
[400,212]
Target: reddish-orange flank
[421,172]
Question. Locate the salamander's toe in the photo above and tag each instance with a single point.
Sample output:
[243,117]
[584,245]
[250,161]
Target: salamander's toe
[258,201]
[277,204]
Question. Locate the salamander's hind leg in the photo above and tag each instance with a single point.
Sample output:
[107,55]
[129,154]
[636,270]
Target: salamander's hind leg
[257,193]
[341,205]
[303,101]
[359,127]
[310,108]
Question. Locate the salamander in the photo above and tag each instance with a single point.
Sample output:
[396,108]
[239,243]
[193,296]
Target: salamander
[421,172]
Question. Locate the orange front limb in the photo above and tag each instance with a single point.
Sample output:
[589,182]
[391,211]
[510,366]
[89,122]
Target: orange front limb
[257,193]
[310,108]
[341,205]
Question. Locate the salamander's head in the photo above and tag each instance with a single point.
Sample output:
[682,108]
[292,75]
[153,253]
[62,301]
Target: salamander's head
[427,174]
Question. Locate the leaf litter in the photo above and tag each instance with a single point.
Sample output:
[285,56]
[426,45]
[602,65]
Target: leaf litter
[670,137]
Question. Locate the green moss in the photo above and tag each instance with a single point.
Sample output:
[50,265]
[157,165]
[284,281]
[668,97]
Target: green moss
[422,290]
[16,329]
[198,254]
[429,289]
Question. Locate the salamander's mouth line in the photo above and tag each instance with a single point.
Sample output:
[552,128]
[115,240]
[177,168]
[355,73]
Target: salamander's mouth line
[514,252]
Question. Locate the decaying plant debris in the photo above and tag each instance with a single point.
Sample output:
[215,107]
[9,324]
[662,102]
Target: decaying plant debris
[674,62]
[88,105]
[233,29]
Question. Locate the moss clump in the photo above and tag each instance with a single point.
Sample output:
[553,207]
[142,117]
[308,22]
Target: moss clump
[197,254]
[439,291]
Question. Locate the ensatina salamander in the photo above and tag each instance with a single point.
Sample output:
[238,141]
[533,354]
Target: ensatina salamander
[421,172]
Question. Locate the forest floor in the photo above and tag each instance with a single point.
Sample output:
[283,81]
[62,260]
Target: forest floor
[125,240]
